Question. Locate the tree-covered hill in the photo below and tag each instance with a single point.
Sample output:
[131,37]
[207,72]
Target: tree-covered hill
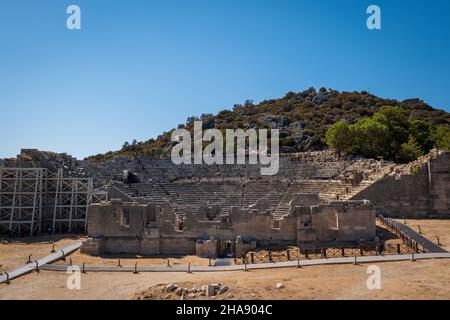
[303,119]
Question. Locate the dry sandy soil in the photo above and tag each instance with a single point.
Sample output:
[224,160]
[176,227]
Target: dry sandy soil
[399,280]
[14,253]
[432,228]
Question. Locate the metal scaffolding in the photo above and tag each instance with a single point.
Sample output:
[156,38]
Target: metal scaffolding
[35,199]
[21,200]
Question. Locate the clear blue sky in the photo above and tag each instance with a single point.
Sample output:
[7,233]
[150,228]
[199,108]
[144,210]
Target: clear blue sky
[138,68]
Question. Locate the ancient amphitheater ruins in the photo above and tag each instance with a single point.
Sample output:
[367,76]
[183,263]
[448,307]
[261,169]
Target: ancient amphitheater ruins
[151,206]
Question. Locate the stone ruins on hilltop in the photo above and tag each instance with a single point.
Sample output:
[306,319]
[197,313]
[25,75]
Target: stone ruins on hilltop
[153,206]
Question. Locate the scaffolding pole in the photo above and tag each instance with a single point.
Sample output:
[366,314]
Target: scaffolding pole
[20,200]
[33,197]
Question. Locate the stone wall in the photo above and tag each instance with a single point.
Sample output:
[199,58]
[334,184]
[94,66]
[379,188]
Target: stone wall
[336,224]
[207,248]
[242,247]
[150,246]
[260,226]
[117,219]
[121,227]
[422,192]
[93,246]
[177,246]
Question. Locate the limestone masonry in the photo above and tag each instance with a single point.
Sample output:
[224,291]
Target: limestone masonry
[152,206]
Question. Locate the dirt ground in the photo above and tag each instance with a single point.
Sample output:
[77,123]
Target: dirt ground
[432,228]
[109,260]
[14,253]
[399,280]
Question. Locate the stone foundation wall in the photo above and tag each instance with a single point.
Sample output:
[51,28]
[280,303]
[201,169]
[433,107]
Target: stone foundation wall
[93,247]
[253,225]
[122,245]
[150,246]
[207,249]
[423,193]
[117,218]
[178,246]
[131,228]
[336,223]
